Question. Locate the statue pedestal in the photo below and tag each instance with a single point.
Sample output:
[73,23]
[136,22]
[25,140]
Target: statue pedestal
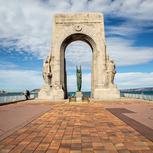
[51,93]
[79,96]
[106,93]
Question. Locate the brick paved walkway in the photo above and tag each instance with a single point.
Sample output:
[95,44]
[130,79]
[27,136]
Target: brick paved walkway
[76,128]
[15,116]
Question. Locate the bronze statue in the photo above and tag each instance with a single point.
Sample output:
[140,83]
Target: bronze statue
[79,78]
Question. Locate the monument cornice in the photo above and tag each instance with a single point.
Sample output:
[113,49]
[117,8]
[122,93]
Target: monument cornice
[78,18]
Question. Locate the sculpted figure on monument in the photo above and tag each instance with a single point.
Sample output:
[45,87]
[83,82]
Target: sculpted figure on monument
[111,72]
[47,74]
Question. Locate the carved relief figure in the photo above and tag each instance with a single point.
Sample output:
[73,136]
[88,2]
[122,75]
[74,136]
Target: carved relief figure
[47,74]
[111,72]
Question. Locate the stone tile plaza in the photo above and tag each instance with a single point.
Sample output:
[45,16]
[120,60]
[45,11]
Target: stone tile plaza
[54,122]
[103,127]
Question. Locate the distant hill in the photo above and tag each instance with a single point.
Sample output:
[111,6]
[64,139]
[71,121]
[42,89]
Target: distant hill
[35,90]
[138,89]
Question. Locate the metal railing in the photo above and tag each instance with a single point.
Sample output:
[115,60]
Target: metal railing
[137,96]
[15,98]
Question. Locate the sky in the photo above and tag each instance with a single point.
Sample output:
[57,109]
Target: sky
[25,41]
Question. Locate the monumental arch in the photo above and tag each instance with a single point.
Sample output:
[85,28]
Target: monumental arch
[87,27]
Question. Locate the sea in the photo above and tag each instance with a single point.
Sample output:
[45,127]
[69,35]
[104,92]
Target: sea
[11,94]
[15,96]
[147,92]
[71,94]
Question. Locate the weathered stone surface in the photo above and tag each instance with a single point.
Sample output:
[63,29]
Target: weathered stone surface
[78,96]
[88,27]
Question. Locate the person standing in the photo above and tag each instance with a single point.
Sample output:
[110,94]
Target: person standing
[27,94]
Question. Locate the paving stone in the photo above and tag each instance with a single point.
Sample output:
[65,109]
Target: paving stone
[75,151]
[64,150]
[52,151]
[76,128]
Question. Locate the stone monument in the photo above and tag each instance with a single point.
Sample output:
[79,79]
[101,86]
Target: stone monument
[87,27]
[79,94]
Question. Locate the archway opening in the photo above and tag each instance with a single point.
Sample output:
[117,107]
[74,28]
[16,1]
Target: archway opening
[88,41]
[78,53]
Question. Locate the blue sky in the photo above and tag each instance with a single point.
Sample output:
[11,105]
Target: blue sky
[25,36]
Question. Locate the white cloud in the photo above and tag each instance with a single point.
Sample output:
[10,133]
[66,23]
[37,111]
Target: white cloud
[19,80]
[78,53]
[124,53]
[120,50]
[7,65]
[134,80]
[134,9]
[86,82]
[127,29]
[122,80]
[28,22]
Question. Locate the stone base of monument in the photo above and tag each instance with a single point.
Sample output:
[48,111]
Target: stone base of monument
[78,96]
[57,94]
[51,94]
[106,94]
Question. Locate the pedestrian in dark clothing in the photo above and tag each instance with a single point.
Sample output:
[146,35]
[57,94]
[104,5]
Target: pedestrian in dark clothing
[27,94]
